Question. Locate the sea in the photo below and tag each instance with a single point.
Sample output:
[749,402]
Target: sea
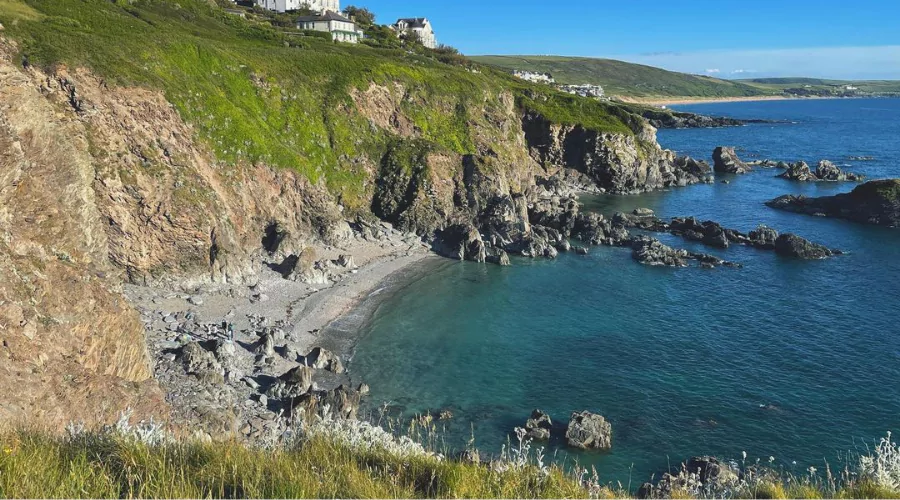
[789,359]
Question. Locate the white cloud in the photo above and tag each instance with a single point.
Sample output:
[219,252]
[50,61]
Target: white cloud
[864,63]
[711,71]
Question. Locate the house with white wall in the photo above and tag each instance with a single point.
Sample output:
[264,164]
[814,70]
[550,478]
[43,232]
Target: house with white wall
[320,6]
[341,28]
[420,26]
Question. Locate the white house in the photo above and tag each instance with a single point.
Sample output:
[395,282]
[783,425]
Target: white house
[534,77]
[419,25]
[321,6]
[341,28]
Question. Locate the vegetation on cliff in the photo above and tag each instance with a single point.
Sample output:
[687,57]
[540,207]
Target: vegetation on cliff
[259,93]
[352,459]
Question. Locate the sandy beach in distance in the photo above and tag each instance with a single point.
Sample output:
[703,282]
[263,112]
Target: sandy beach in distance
[673,101]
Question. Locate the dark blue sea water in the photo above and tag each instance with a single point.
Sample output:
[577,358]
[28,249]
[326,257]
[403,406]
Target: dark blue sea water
[680,361]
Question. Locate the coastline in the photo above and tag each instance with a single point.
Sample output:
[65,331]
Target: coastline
[674,101]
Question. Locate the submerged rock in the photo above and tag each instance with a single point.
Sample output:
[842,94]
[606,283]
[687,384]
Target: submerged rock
[589,431]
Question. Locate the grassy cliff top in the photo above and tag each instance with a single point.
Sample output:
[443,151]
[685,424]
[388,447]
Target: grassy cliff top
[625,79]
[263,94]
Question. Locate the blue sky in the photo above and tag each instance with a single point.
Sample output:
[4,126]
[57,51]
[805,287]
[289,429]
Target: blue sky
[726,38]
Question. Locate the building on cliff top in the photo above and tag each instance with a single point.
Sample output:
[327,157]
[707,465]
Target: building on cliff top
[341,28]
[320,6]
[418,25]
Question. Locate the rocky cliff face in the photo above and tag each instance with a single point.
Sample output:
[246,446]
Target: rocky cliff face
[102,185]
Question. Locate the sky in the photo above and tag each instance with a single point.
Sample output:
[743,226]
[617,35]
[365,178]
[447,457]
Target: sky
[851,39]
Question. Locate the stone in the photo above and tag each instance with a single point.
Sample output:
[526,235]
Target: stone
[643,212]
[196,300]
[798,171]
[589,431]
[875,202]
[266,345]
[363,389]
[581,250]
[763,237]
[201,363]
[323,359]
[538,426]
[726,161]
[791,245]
[345,261]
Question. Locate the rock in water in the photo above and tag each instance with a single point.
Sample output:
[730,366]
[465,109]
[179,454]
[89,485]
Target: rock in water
[538,426]
[798,171]
[589,431]
[726,161]
[763,237]
[791,245]
[875,202]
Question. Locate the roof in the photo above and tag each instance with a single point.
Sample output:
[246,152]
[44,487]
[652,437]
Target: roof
[328,16]
[413,22]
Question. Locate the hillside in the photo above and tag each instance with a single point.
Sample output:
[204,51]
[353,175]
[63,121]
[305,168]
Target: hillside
[196,148]
[625,79]
[818,86]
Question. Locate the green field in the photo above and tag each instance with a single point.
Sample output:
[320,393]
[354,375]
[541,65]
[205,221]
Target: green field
[625,79]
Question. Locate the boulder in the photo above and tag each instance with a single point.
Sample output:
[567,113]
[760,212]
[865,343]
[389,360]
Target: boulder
[589,431]
[340,403]
[323,359]
[726,161]
[266,344]
[538,426]
[462,242]
[201,363]
[791,245]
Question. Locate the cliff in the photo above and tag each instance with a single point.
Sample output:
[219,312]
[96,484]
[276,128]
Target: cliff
[200,146]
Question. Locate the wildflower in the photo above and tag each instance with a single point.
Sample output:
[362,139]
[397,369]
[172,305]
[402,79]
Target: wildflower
[8,450]
[771,459]
[812,470]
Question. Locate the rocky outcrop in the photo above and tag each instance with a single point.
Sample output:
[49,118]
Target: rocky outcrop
[791,245]
[538,427]
[825,171]
[662,118]
[589,431]
[618,163]
[652,252]
[875,202]
[710,233]
[726,161]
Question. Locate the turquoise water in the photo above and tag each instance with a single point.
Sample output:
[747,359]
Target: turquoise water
[679,360]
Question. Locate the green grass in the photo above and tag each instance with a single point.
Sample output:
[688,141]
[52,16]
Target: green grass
[625,79]
[255,93]
[826,87]
[34,465]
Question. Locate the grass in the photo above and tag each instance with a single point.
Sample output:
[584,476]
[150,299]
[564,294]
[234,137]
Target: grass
[35,465]
[256,93]
[340,459]
[625,79]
